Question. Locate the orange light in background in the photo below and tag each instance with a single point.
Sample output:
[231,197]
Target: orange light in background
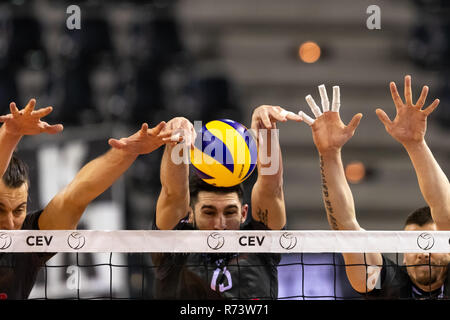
[355,172]
[309,52]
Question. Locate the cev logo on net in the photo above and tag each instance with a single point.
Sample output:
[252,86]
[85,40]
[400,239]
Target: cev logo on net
[425,241]
[5,241]
[76,240]
[215,241]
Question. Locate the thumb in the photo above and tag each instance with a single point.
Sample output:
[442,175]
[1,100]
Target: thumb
[54,129]
[354,123]
[383,117]
[116,143]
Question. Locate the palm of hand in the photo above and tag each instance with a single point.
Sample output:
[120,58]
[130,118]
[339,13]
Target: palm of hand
[409,125]
[24,124]
[142,143]
[329,132]
[28,121]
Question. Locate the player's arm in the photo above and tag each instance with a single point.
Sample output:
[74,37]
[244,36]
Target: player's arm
[173,201]
[267,199]
[66,208]
[20,123]
[409,128]
[330,134]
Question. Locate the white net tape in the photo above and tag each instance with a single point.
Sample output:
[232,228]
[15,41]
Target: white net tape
[291,241]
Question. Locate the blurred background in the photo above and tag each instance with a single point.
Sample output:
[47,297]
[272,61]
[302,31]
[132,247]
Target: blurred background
[136,61]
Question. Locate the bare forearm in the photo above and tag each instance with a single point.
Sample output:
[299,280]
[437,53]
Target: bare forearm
[267,194]
[270,162]
[433,182]
[336,193]
[173,202]
[8,144]
[339,205]
[98,175]
[174,177]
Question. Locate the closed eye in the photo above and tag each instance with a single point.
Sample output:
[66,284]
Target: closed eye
[20,210]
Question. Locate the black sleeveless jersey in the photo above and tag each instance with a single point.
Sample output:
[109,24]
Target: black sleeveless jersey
[396,284]
[216,276]
[18,271]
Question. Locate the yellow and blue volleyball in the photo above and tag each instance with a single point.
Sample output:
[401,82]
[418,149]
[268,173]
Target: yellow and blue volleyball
[224,154]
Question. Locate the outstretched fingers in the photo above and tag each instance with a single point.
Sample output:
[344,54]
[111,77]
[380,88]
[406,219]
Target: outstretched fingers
[307,119]
[336,104]
[42,112]
[13,108]
[52,129]
[383,118]
[5,118]
[408,91]
[423,96]
[395,96]
[324,98]
[30,106]
[314,107]
[431,107]
[158,129]
[278,114]
[354,123]
[289,115]
[117,144]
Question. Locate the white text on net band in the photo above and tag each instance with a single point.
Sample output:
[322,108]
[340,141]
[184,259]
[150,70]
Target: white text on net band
[285,241]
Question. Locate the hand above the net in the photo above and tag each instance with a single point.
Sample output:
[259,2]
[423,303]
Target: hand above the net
[144,141]
[28,121]
[329,132]
[182,131]
[410,123]
[265,117]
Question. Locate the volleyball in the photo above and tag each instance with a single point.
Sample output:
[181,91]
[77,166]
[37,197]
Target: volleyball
[224,153]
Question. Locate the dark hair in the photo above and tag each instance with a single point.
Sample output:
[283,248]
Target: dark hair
[16,174]
[196,185]
[421,216]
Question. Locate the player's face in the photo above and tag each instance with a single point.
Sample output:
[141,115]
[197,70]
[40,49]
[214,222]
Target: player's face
[431,269]
[13,206]
[216,211]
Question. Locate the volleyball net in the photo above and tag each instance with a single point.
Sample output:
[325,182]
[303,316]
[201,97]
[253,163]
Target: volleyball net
[289,265]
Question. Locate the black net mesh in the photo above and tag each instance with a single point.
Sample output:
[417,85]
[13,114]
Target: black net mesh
[243,276]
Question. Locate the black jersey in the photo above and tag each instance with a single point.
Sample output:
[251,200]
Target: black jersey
[218,275]
[396,284]
[18,271]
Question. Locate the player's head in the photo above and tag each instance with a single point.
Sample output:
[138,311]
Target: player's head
[214,208]
[430,269]
[13,195]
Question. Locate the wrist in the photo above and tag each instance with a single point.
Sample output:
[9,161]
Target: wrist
[414,145]
[8,134]
[9,140]
[330,154]
[122,155]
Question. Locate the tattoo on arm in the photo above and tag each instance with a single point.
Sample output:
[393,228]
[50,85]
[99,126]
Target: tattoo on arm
[326,195]
[263,216]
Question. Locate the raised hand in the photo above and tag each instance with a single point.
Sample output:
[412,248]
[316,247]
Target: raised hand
[265,117]
[182,130]
[144,141]
[410,123]
[28,121]
[329,132]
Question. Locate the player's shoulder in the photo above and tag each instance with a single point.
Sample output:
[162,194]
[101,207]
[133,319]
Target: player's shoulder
[31,220]
[184,224]
[252,224]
